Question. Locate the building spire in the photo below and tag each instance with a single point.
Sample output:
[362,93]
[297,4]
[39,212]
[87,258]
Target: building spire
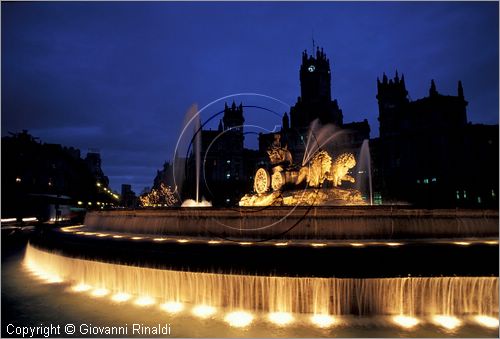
[432,90]
[460,89]
[314,45]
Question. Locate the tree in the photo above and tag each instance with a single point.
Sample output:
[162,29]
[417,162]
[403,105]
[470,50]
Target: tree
[158,197]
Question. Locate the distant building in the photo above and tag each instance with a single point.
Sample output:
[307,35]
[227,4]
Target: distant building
[48,181]
[427,152]
[128,197]
[227,167]
[93,161]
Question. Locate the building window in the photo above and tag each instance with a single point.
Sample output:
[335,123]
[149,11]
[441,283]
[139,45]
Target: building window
[458,195]
[493,193]
[434,179]
[426,181]
[465,194]
[418,181]
[228,162]
[478,200]
[228,175]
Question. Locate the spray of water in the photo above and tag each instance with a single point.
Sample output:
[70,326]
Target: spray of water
[364,172]
[318,137]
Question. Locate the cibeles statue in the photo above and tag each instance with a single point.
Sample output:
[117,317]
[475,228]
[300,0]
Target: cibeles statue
[279,184]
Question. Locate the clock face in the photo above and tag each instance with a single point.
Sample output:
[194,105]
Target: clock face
[311,68]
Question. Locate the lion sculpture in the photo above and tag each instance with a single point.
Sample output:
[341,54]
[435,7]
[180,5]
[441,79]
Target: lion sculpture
[340,167]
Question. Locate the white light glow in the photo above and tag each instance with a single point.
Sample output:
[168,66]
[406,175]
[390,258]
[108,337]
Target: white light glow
[280,318]
[137,238]
[214,242]
[244,243]
[486,321]
[144,301]
[81,287]
[99,292]
[322,320]
[121,297]
[159,239]
[462,243]
[101,235]
[405,321]
[30,219]
[203,311]
[493,242]
[357,244]
[8,220]
[182,241]
[172,307]
[448,322]
[239,319]
[393,244]
[318,245]
[117,236]
[281,244]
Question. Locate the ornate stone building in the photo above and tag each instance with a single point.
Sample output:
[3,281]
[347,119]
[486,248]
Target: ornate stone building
[428,153]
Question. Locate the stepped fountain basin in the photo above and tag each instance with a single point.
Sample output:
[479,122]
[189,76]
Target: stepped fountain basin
[301,222]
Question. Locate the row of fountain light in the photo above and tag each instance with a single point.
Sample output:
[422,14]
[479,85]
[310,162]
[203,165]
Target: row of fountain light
[246,243]
[243,318]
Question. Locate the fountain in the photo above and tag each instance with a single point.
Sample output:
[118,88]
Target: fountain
[299,249]
[193,115]
[364,175]
[318,169]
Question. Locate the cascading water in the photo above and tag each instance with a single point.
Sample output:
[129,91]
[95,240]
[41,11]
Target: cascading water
[386,296]
[364,169]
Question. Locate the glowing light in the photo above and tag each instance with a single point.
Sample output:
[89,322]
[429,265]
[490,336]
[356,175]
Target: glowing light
[405,321]
[144,301]
[244,243]
[121,297]
[239,319]
[172,307]
[98,184]
[491,242]
[80,203]
[280,318]
[281,244]
[90,203]
[182,241]
[322,320]
[318,245]
[8,220]
[117,236]
[137,238]
[393,244]
[486,321]
[159,239]
[101,235]
[204,311]
[357,244]
[18,179]
[81,287]
[99,292]
[462,243]
[53,279]
[30,219]
[447,322]
[214,242]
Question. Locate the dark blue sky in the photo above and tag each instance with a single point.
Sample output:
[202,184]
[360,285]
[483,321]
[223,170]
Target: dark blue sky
[120,76]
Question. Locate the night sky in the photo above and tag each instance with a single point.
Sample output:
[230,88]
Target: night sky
[120,76]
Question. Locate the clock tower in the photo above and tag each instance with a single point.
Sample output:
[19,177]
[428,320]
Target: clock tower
[315,77]
[315,101]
